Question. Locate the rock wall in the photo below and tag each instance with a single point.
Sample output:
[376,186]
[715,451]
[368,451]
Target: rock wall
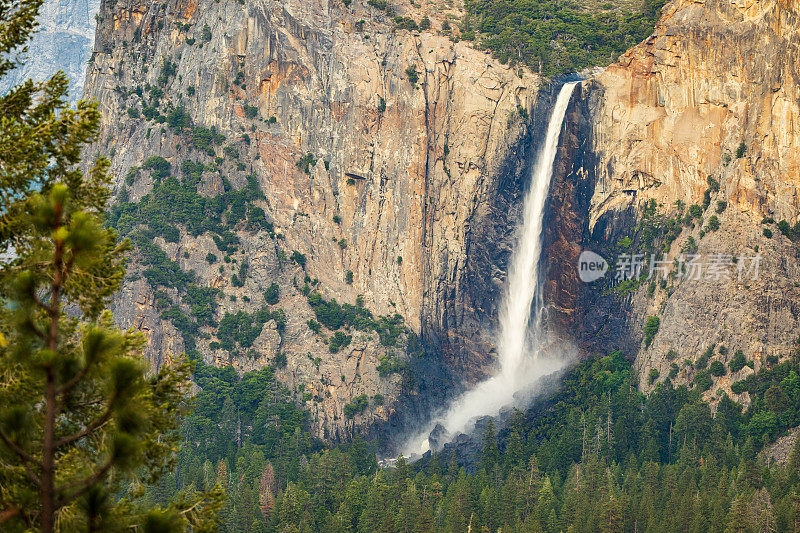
[421,148]
[566,222]
[413,191]
[63,41]
[712,93]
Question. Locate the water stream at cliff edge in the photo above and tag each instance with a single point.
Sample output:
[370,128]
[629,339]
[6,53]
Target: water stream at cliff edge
[521,360]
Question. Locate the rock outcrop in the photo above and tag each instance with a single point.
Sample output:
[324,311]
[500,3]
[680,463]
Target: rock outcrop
[704,112]
[63,41]
[391,160]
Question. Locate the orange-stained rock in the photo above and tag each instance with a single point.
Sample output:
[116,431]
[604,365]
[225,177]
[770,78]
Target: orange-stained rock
[674,111]
[424,186]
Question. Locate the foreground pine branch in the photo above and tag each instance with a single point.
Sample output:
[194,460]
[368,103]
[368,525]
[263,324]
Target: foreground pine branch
[82,424]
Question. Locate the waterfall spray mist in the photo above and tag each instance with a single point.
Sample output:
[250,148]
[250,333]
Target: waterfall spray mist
[521,362]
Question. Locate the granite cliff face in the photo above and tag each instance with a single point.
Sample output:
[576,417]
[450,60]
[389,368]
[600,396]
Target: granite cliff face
[63,41]
[713,93]
[398,189]
[391,165]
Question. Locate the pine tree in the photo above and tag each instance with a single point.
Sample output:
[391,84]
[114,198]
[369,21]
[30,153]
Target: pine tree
[266,495]
[546,502]
[81,421]
[409,510]
[748,466]
[458,504]
[532,484]
[489,452]
[39,138]
[222,474]
[489,507]
[372,515]
[515,447]
[794,498]
[208,474]
[613,519]
[402,470]
[763,513]
[738,517]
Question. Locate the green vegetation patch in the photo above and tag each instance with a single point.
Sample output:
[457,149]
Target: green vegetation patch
[171,203]
[243,328]
[650,329]
[357,406]
[555,38]
[335,316]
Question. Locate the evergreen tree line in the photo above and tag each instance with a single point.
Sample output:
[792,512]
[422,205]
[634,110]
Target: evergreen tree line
[598,455]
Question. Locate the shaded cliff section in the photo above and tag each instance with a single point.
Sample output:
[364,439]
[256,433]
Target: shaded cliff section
[703,112]
[470,324]
[470,320]
[586,315]
[407,198]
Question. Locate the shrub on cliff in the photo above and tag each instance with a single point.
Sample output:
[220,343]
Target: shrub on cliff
[405,23]
[231,152]
[271,295]
[204,138]
[717,368]
[412,75]
[425,23]
[250,111]
[243,328]
[329,313]
[702,361]
[306,162]
[298,258]
[738,362]
[650,329]
[158,166]
[168,70]
[338,341]
[391,365]
[179,119]
[357,406]
[379,4]
[703,381]
[791,233]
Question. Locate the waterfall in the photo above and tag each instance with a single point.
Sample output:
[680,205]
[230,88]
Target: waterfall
[521,360]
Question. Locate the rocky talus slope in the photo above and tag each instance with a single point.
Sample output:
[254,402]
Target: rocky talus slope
[63,41]
[704,112]
[390,164]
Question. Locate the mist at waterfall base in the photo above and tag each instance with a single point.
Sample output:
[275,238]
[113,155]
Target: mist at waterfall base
[525,354]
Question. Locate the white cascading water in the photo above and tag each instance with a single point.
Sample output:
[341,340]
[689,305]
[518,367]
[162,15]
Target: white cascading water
[520,338]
